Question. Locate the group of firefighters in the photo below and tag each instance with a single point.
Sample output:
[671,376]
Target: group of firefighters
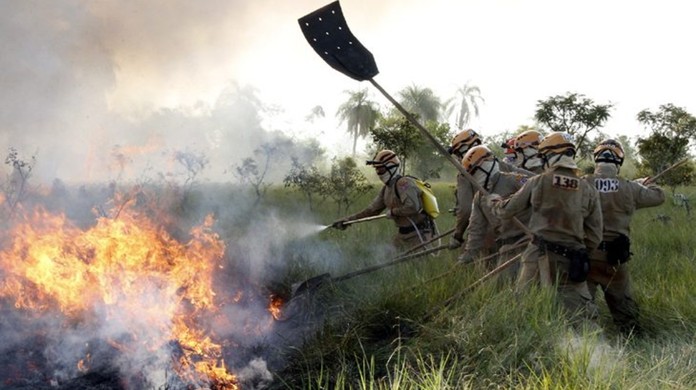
[569,230]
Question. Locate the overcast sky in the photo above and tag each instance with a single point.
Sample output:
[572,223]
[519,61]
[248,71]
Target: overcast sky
[79,77]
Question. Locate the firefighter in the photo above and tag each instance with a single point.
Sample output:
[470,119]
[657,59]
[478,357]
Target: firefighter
[619,199]
[464,194]
[482,165]
[509,151]
[566,220]
[401,197]
[526,145]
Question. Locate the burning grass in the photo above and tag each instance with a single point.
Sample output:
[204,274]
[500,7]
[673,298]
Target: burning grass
[126,291]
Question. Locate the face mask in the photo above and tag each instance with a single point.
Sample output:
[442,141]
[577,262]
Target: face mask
[607,169]
[386,176]
[461,151]
[530,158]
[484,172]
[560,160]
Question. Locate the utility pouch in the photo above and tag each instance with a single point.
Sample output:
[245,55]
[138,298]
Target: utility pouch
[579,266]
[619,250]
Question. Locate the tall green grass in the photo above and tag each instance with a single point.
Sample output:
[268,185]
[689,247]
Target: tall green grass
[389,330]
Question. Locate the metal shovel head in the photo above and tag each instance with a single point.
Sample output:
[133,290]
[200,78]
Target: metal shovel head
[327,32]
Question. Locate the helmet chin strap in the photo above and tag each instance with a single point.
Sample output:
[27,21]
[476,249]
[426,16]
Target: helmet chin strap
[530,160]
[387,176]
[488,173]
[559,159]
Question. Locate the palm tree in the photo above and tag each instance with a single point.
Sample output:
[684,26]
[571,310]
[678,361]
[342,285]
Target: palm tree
[359,113]
[465,102]
[421,101]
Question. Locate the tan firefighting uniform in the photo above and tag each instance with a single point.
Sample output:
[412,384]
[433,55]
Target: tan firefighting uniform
[619,199]
[464,197]
[483,223]
[402,198]
[565,211]
[536,170]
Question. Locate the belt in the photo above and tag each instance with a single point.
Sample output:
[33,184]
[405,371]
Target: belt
[555,248]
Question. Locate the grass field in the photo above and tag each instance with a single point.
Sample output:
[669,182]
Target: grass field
[389,330]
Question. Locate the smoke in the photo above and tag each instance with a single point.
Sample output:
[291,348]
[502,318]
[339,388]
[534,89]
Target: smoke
[81,79]
[591,353]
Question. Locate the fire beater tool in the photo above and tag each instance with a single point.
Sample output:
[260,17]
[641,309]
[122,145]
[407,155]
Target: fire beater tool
[327,32]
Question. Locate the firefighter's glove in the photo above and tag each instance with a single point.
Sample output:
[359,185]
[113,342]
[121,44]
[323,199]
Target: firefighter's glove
[492,200]
[454,243]
[389,214]
[340,224]
[642,180]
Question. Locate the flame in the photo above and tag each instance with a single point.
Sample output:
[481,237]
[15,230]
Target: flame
[274,306]
[83,364]
[132,273]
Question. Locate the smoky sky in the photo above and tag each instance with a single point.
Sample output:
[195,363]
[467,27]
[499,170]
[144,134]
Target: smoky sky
[83,81]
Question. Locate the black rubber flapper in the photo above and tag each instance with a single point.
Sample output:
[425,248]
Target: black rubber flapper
[327,32]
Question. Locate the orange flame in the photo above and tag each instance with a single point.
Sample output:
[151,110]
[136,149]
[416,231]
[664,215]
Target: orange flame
[274,306]
[133,271]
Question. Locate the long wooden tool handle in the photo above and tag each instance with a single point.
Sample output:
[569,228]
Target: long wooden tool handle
[472,286]
[652,179]
[430,241]
[442,149]
[397,260]
[477,261]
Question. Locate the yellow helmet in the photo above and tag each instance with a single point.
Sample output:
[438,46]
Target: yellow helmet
[528,139]
[466,138]
[475,156]
[384,159]
[609,151]
[557,143]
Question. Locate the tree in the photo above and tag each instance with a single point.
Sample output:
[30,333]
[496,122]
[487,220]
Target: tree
[630,164]
[193,163]
[672,129]
[395,132]
[464,105]
[398,134]
[574,114]
[16,185]
[421,102]
[345,183]
[306,179]
[250,172]
[359,113]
